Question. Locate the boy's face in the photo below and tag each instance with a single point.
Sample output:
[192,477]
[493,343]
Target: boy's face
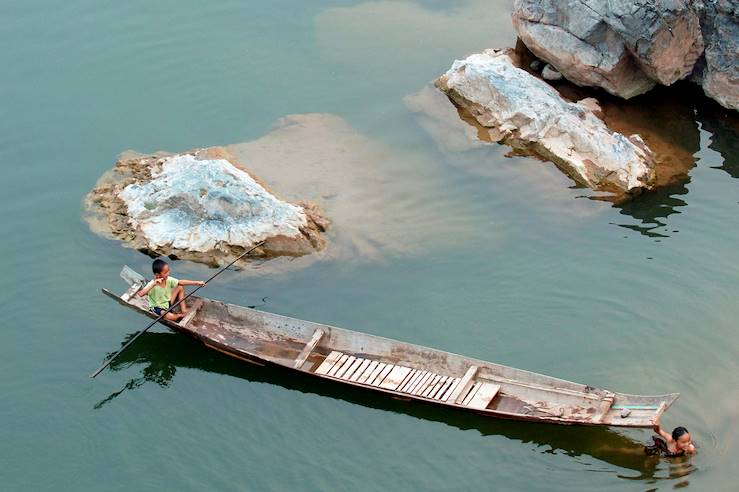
[164,273]
[684,442]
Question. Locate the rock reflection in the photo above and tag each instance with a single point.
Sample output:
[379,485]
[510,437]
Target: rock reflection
[652,210]
[723,125]
[665,119]
[669,121]
[161,354]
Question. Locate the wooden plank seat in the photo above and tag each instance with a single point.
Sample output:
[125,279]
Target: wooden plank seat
[416,382]
[604,407]
[309,347]
[464,386]
[481,395]
[191,313]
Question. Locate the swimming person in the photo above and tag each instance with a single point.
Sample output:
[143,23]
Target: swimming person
[163,291]
[679,443]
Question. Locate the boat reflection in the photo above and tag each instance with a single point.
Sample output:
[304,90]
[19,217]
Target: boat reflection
[161,354]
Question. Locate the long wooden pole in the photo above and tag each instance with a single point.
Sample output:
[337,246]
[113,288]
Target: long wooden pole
[107,362]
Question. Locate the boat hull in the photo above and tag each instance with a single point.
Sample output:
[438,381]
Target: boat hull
[424,374]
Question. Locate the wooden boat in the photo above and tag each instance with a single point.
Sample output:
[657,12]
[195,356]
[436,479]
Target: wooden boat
[402,370]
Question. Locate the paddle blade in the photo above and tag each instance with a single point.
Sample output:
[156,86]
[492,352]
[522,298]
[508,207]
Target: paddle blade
[132,277]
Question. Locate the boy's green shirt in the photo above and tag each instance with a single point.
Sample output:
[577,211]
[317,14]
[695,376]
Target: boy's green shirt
[160,296]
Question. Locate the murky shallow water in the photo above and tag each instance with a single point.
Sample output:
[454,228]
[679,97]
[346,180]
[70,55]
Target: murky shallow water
[503,260]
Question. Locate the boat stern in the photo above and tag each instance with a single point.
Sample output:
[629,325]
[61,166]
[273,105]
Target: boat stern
[637,410]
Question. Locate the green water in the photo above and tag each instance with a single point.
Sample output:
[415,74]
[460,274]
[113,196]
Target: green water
[516,265]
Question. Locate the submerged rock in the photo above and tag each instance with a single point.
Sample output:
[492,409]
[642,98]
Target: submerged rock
[200,206]
[718,70]
[520,110]
[377,200]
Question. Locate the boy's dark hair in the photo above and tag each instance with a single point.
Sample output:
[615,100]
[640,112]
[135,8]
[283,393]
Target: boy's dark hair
[678,431]
[158,265]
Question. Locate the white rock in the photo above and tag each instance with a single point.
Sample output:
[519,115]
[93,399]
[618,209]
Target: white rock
[550,73]
[525,112]
[205,205]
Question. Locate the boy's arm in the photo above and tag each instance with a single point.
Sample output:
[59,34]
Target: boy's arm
[191,282]
[657,429]
[146,289]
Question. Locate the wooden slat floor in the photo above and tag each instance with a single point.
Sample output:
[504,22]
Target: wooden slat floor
[405,379]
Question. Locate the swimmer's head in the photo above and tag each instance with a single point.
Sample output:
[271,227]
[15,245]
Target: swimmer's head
[682,439]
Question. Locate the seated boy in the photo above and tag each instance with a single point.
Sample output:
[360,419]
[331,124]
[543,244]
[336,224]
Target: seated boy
[164,291]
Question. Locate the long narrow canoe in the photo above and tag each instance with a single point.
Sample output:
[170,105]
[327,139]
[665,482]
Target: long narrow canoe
[403,370]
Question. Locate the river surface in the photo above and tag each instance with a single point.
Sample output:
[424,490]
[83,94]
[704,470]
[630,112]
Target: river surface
[504,259]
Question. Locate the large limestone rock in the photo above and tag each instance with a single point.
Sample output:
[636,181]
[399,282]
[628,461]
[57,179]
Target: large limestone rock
[624,47]
[520,110]
[200,206]
[718,70]
[581,47]
[664,37]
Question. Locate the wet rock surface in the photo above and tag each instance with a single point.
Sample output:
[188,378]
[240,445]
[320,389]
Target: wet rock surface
[516,108]
[201,205]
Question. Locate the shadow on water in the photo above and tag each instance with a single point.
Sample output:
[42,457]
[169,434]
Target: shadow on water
[670,126]
[665,119]
[670,120]
[651,210]
[163,353]
[723,125]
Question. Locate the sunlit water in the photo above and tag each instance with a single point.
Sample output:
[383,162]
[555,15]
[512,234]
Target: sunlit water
[505,260]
